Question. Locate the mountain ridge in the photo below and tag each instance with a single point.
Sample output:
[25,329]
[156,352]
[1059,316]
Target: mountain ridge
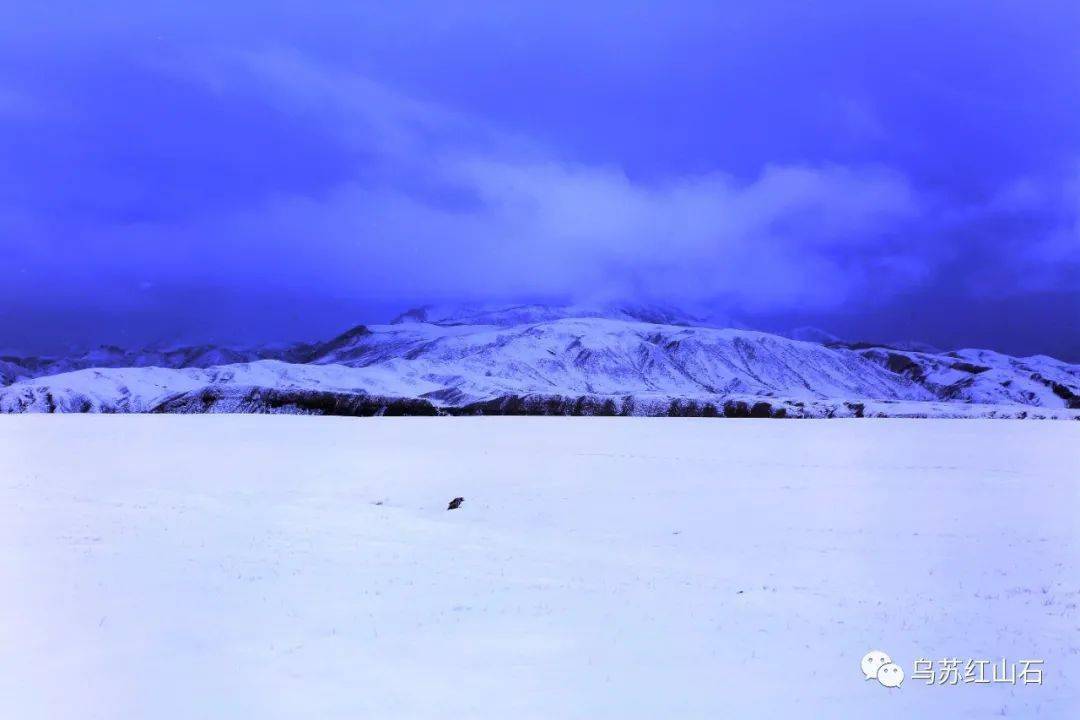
[544,360]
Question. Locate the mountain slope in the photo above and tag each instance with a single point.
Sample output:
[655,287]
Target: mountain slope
[616,357]
[984,376]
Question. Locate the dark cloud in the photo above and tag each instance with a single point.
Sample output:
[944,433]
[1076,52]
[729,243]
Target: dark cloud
[171,171]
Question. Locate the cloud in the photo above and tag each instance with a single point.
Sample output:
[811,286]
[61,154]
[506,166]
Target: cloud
[244,169]
[444,205]
[794,237]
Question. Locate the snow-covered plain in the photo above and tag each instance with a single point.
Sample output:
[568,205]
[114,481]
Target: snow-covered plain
[200,566]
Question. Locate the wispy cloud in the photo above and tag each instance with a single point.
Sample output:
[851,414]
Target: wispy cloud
[530,223]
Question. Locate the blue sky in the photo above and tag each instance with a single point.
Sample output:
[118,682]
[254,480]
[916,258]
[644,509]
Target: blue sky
[243,171]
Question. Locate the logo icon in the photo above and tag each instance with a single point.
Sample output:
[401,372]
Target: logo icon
[872,663]
[890,675]
[878,665]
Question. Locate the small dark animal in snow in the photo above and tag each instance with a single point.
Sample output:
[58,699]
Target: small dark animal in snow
[455,503]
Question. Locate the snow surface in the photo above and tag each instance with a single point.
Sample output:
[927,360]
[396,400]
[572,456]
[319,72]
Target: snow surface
[281,567]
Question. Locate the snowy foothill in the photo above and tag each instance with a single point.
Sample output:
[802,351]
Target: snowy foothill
[190,566]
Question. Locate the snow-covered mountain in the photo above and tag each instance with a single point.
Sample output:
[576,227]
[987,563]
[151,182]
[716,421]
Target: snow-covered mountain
[549,360]
[985,376]
[13,368]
